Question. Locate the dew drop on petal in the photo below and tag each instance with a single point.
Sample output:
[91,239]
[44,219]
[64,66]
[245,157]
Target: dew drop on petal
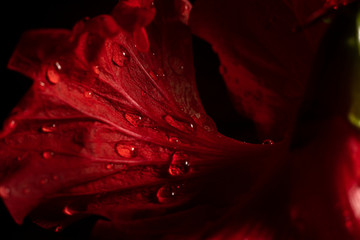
[121,56]
[126,151]
[184,9]
[48,154]
[49,128]
[88,94]
[167,193]
[268,142]
[182,126]
[68,211]
[96,70]
[52,73]
[179,164]
[58,66]
[176,65]
[42,86]
[160,73]
[133,119]
[11,124]
[109,166]
[174,140]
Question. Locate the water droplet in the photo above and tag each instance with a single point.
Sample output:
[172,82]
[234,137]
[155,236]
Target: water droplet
[133,119]
[48,154]
[12,124]
[174,140]
[96,70]
[160,73]
[268,142]
[55,177]
[42,86]
[167,193]
[4,192]
[182,126]
[126,151]
[109,166]
[88,94]
[176,65]
[59,228]
[58,66]
[179,164]
[48,128]
[184,9]
[121,56]
[68,211]
[52,73]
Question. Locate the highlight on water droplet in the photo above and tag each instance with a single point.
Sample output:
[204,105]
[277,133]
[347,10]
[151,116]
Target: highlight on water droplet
[52,73]
[42,86]
[133,119]
[121,56]
[48,154]
[48,128]
[180,125]
[168,193]
[268,142]
[88,94]
[11,124]
[176,65]
[109,166]
[179,165]
[125,150]
[58,66]
[68,211]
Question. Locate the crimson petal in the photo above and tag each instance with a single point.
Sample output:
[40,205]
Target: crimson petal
[115,128]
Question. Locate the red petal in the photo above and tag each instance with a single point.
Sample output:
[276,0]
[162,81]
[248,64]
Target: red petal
[96,133]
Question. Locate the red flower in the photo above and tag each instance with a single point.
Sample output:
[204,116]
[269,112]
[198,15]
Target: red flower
[113,125]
